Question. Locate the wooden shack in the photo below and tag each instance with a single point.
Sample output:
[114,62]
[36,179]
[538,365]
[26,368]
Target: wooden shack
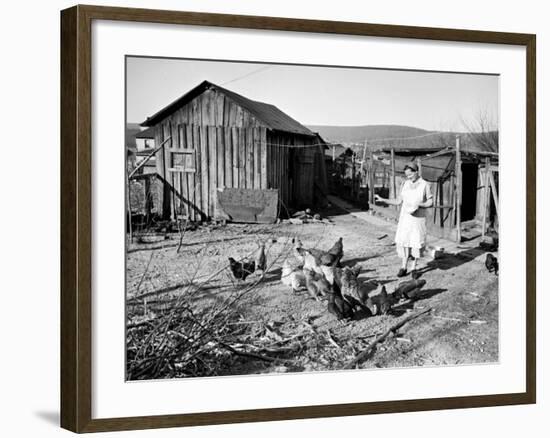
[212,138]
[464,184]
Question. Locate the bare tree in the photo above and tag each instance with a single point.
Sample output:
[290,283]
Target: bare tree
[483,130]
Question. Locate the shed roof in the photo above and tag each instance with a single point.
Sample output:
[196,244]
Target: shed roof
[268,114]
[146,133]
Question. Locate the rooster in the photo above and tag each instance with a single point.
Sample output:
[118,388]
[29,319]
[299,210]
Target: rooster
[241,270]
[261,259]
[409,289]
[293,277]
[491,263]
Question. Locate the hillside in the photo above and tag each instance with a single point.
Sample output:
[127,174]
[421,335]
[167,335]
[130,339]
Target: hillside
[358,134]
[404,137]
[131,130]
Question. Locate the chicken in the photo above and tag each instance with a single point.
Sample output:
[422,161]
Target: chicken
[350,284]
[261,259]
[310,261]
[491,263]
[381,303]
[337,250]
[293,277]
[409,289]
[339,306]
[241,270]
[331,257]
[316,284]
[297,250]
[332,274]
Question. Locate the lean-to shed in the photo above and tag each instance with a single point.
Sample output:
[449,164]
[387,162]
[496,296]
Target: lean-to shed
[213,138]
[464,196]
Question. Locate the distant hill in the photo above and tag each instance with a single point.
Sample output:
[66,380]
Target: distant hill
[131,130]
[403,137]
[358,134]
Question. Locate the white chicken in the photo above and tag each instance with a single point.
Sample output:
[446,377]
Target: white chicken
[293,277]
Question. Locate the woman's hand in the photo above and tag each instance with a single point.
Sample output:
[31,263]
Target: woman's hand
[378,198]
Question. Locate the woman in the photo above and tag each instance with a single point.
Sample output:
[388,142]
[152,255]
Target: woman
[414,197]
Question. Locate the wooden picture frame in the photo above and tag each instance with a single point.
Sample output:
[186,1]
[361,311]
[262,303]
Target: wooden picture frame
[76,218]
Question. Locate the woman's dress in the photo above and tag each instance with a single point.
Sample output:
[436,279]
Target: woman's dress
[411,229]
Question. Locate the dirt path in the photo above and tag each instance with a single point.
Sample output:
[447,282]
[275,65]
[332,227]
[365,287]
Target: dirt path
[462,327]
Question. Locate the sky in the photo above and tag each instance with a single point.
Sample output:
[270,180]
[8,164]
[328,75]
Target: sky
[322,95]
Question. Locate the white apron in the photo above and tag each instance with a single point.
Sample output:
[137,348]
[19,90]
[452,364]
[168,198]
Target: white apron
[411,229]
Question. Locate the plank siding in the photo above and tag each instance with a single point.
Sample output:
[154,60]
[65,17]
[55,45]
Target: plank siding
[220,146]
[249,134]
[242,159]
[228,151]
[212,168]
[263,159]
[257,159]
[197,177]
[235,155]
[204,168]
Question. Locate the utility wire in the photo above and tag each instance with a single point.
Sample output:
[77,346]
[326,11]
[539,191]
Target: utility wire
[246,75]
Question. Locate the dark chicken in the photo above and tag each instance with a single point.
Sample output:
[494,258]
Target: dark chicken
[491,263]
[261,259]
[337,251]
[379,304]
[339,306]
[409,289]
[241,270]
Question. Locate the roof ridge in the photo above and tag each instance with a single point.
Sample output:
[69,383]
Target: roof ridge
[269,114]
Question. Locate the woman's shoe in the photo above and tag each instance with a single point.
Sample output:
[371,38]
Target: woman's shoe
[402,272]
[415,274]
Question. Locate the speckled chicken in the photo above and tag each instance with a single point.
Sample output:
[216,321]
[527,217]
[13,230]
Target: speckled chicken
[316,284]
[351,285]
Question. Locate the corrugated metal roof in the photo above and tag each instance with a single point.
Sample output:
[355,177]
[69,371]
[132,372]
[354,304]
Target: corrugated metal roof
[268,114]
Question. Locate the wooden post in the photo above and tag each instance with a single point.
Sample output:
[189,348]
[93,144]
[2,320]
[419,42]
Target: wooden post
[494,190]
[393,188]
[364,156]
[371,178]
[486,199]
[458,189]
[419,164]
[333,153]
[353,175]
[129,206]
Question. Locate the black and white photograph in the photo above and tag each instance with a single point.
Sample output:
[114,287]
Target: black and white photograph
[285,218]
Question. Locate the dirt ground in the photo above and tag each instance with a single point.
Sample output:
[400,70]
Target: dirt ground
[460,328]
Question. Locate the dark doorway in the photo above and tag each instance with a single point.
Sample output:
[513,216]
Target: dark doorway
[469,191]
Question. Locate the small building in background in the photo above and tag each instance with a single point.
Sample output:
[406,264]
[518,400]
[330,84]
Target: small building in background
[214,139]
